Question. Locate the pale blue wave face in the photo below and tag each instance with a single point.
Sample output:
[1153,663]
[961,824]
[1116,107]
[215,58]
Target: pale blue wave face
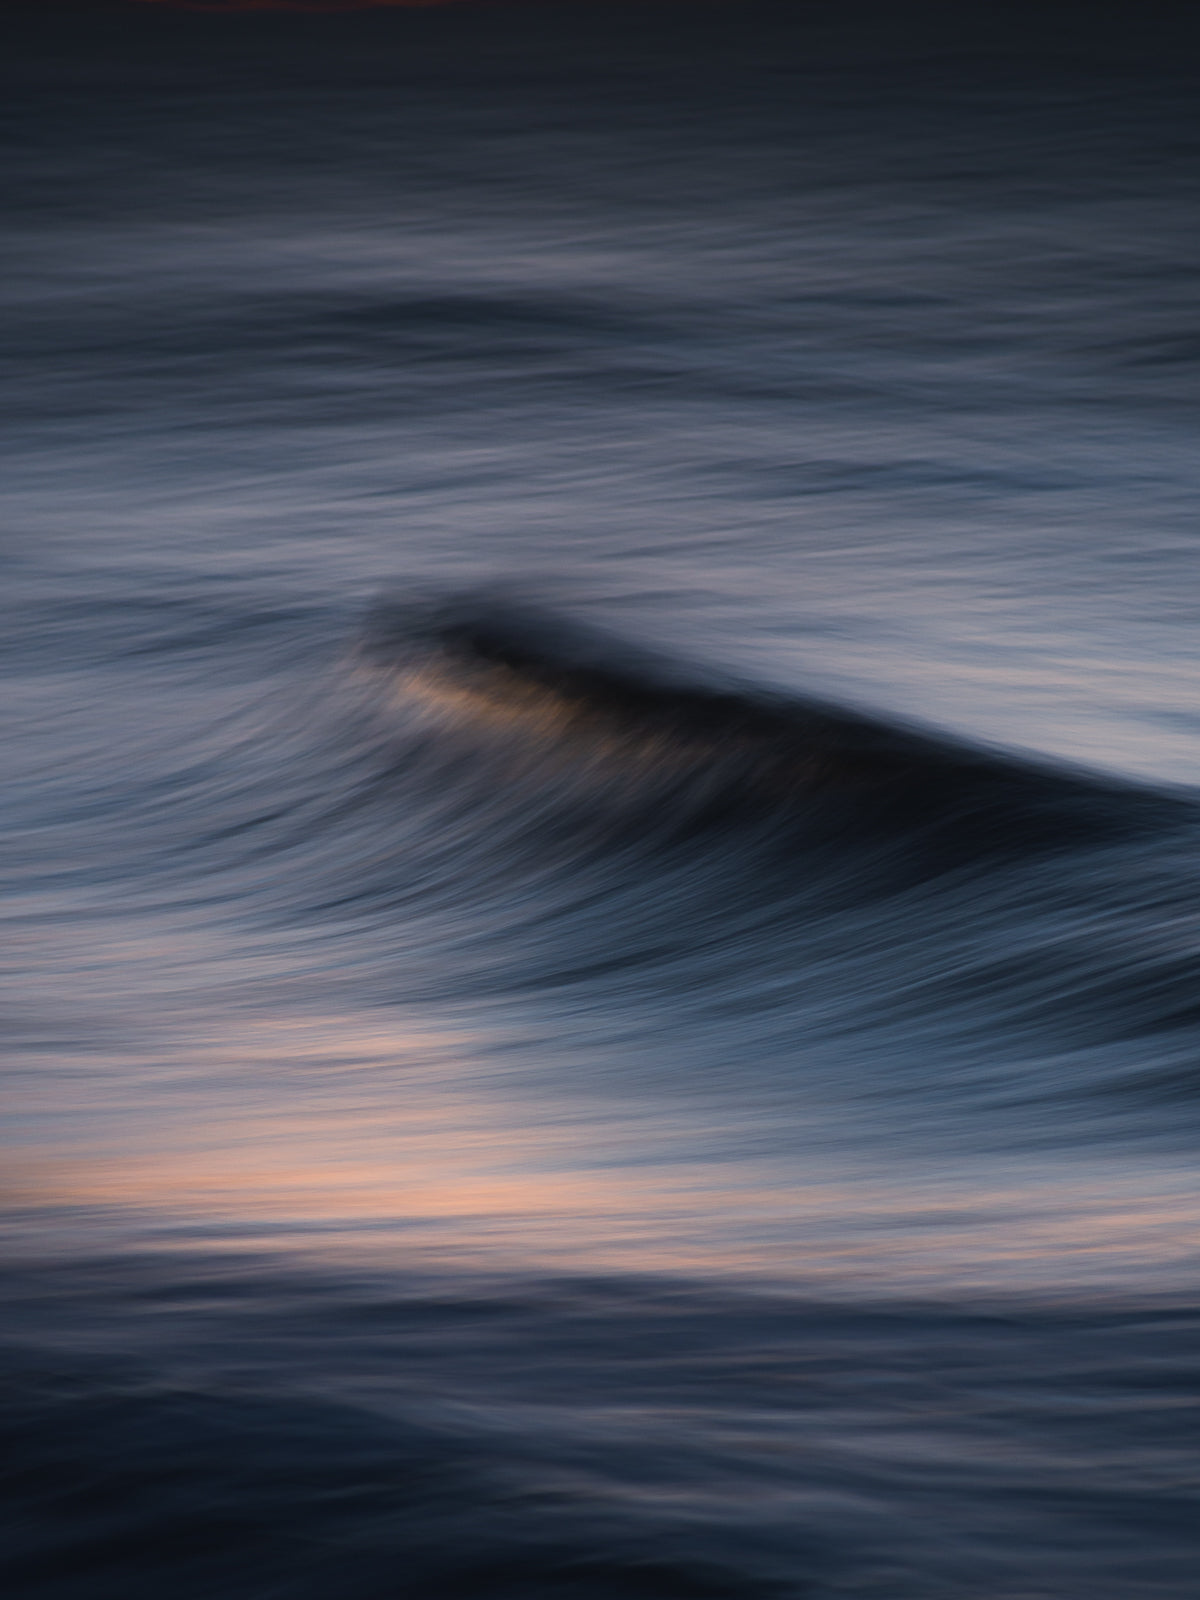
[601,829]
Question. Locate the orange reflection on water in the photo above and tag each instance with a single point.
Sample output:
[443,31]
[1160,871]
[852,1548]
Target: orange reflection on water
[471,1185]
[350,1129]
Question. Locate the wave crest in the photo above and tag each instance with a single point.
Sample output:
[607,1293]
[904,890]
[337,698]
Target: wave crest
[529,683]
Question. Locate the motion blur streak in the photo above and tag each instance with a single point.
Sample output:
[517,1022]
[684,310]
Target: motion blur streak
[600,909]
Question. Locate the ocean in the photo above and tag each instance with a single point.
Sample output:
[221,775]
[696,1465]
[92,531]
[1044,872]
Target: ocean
[602,980]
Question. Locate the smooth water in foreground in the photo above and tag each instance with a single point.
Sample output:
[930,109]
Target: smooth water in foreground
[602,830]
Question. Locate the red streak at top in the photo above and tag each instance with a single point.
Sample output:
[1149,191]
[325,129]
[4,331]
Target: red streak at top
[228,7]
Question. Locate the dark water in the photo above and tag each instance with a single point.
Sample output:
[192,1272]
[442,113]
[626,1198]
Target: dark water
[601,897]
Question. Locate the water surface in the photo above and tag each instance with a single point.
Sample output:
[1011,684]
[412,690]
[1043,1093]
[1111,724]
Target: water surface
[600,665]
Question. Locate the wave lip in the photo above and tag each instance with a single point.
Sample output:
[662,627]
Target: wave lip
[550,686]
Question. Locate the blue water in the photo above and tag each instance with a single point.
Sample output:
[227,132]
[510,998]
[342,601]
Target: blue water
[602,831]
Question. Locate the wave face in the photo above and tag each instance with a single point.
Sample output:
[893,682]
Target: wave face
[602,808]
[560,690]
[656,832]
